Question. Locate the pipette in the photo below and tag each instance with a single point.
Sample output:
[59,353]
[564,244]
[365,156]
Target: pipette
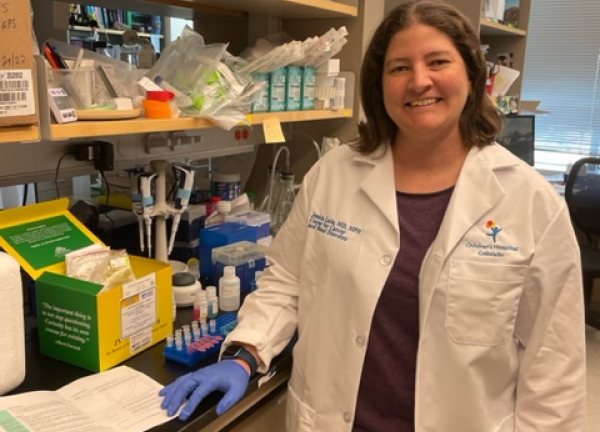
[148,207]
[186,181]
[136,206]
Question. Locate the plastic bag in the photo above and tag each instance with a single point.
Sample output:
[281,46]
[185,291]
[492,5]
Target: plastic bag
[119,269]
[208,79]
[88,264]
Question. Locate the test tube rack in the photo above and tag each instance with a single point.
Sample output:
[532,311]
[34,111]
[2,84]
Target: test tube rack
[193,343]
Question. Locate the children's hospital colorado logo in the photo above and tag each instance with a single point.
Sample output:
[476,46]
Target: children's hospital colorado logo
[494,229]
[495,248]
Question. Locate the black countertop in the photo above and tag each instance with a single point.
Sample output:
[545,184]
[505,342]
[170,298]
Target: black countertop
[46,373]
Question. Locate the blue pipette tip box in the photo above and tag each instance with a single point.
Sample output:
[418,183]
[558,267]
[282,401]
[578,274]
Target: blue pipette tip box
[205,346]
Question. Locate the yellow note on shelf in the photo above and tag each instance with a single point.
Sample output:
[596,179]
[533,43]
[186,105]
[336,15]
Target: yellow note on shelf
[272,130]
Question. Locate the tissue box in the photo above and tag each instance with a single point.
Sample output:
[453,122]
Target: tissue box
[78,322]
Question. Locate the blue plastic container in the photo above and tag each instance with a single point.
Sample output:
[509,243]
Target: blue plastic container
[221,235]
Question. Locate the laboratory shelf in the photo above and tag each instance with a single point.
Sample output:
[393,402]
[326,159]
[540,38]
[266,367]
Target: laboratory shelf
[103,30]
[281,8]
[12,134]
[491,28]
[82,129]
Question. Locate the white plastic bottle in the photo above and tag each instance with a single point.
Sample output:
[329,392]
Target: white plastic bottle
[218,217]
[229,290]
[200,306]
[213,302]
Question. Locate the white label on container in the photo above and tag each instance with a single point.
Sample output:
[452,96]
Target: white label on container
[139,285]
[140,340]
[16,93]
[138,313]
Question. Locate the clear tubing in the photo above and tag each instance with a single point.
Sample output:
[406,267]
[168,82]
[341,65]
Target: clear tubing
[272,180]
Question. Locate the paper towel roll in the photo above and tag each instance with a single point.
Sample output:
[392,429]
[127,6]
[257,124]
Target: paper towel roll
[12,328]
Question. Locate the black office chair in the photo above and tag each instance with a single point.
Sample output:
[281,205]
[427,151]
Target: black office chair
[582,193]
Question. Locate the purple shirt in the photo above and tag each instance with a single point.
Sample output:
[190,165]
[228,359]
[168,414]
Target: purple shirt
[386,395]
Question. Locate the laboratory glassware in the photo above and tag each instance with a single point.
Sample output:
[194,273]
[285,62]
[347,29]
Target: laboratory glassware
[284,202]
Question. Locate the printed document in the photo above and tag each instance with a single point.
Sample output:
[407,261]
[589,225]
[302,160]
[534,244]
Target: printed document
[118,400]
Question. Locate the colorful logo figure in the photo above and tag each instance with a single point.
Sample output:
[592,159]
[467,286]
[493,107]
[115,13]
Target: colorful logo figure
[494,229]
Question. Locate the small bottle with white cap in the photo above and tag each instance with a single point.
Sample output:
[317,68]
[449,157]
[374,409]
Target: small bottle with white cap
[200,306]
[229,290]
[213,302]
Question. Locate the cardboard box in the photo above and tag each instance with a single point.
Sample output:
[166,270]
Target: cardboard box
[309,78]
[493,9]
[261,104]
[18,101]
[77,323]
[293,88]
[277,88]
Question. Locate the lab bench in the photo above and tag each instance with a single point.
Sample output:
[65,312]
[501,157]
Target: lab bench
[46,373]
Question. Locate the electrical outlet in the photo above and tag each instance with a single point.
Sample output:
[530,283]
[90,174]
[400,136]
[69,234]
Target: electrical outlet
[103,156]
[83,152]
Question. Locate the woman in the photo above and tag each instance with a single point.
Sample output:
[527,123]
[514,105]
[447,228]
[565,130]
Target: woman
[433,277]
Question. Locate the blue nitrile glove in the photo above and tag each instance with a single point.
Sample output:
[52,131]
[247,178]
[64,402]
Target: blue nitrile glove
[227,376]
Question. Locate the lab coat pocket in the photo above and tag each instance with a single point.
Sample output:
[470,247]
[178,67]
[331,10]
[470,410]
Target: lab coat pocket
[299,417]
[482,301]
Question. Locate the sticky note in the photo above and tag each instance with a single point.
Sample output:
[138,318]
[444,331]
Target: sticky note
[272,130]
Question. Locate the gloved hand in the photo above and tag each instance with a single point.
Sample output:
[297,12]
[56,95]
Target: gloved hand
[227,376]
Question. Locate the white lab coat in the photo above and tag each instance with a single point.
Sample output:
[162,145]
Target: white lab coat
[502,336]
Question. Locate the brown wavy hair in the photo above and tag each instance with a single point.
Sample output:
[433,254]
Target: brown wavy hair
[480,122]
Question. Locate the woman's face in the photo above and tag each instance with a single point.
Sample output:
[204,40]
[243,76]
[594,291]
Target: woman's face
[425,83]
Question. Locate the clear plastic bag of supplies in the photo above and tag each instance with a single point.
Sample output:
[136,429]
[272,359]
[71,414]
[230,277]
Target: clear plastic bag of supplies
[208,86]
[89,263]
[119,269]
[99,264]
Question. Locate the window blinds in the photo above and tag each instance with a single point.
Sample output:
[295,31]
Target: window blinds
[562,69]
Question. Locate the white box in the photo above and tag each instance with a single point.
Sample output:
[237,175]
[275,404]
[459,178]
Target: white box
[493,9]
[331,67]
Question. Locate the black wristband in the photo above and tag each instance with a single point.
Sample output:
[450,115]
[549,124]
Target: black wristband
[240,352]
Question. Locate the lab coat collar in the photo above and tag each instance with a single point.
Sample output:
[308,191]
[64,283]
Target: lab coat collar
[477,189]
[476,193]
[378,183]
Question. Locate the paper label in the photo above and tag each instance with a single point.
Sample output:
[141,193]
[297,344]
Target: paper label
[16,93]
[272,130]
[139,285]
[140,341]
[138,313]
[61,106]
